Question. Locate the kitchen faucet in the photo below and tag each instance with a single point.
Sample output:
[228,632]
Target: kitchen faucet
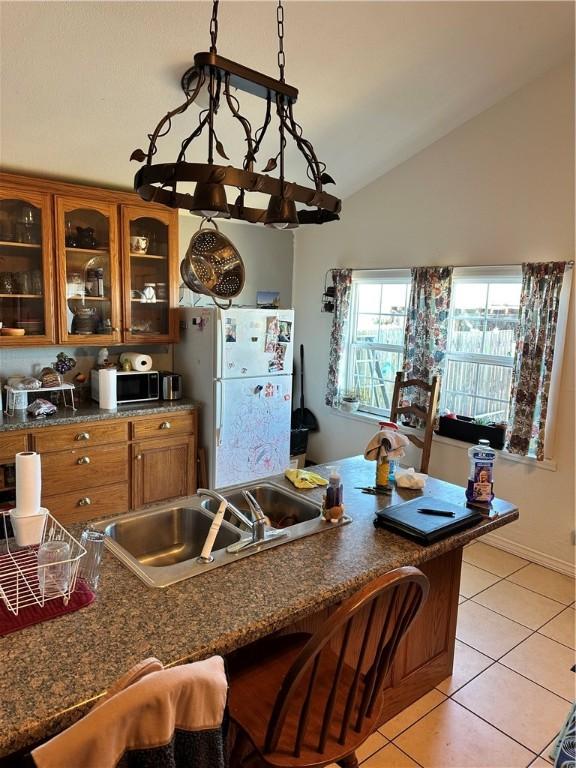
[240,516]
[261,533]
[260,519]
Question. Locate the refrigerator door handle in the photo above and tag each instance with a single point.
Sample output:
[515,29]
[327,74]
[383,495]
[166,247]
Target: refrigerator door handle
[219,411]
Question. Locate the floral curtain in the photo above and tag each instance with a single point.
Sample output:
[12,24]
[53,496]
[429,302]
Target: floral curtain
[535,338]
[426,332]
[342,280]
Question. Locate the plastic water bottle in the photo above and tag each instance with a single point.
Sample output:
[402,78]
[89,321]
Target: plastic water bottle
[481,476]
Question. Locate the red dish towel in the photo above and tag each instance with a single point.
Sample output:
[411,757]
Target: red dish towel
[35,614]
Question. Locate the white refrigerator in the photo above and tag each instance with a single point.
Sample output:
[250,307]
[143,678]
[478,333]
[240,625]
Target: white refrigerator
[237,364]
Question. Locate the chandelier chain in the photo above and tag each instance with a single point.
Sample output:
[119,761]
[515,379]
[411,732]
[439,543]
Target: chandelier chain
[281,55]
[214,26]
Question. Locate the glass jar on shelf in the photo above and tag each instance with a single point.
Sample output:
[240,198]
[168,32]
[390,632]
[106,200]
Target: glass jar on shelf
[76,288]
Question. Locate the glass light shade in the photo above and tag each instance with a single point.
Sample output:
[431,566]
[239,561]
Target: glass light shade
[281,214]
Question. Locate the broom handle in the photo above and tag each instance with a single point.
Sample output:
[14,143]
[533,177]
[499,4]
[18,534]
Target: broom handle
[302,384]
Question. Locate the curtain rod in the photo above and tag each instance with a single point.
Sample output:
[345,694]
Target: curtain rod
[454,266]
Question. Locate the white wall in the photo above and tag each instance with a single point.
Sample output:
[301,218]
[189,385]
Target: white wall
[497,190]
[267,255]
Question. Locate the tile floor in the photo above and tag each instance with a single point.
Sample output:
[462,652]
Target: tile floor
[512,686]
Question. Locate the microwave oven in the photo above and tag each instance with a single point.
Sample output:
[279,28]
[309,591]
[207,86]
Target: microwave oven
[131,386]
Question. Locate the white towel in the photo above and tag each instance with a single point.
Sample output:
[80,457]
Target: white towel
[389,440]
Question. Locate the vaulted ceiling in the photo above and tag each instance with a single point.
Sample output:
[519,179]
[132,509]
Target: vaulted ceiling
[82,83]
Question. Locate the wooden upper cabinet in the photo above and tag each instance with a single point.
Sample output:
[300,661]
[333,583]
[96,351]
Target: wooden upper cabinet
[150,265]
[88,276]
[83,265]
[26,267]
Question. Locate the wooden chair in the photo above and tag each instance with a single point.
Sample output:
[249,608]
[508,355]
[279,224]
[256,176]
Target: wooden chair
[310,700]
[427,413]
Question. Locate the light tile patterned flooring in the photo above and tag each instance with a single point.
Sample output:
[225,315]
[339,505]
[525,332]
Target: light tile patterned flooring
[512,684]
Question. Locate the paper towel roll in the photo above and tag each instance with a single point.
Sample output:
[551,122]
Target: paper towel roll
[108,398]
[137,361]
[28,483]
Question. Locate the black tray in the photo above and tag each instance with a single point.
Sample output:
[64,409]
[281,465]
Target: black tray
[426,529]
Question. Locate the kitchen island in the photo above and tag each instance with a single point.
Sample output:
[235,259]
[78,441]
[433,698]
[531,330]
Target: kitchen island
[54,671]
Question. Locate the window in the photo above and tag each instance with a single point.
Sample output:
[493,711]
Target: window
[376,337]
[480,353]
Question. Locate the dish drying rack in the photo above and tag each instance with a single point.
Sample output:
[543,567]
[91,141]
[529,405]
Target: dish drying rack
[19,584]
[12,396]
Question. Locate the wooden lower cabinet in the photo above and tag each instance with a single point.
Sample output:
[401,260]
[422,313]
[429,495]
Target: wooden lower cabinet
[11,444]
[87,504]
[81,435]
[100,468]
[426,655]
[83,468]
[163,469]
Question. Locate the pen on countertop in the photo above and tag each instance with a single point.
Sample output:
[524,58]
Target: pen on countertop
[437,512]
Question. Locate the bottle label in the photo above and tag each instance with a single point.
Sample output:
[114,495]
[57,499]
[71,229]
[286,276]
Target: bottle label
[382,473]
[480,488]
[480,455]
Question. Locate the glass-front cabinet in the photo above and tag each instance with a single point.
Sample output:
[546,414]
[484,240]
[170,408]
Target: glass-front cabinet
[26,300]
[88,272]
[149,247]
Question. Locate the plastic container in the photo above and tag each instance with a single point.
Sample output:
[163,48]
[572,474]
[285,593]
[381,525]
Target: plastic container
[392,470]
[334,491]
[480,487]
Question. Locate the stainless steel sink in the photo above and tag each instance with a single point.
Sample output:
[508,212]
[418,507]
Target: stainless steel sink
[282,508]
[168,537]
[162,545]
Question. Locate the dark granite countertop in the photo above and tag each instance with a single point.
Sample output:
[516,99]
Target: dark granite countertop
[52,672]
[91,412]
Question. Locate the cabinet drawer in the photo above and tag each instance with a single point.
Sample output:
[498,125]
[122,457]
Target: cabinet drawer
[164,425]
[80,435]
[97,502]
[11,444]
[84,468]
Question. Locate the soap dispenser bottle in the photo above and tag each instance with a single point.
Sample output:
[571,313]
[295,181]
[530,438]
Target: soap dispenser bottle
[333,506]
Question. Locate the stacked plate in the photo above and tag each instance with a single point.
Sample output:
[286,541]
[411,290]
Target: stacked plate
[32,327]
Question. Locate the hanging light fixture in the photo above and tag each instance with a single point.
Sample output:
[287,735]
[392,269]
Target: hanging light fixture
[221,78]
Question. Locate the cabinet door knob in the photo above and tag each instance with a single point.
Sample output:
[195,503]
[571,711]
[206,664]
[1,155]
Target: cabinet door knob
[139,457]
[85,502]
[165,425]
[82,436]
[83,460]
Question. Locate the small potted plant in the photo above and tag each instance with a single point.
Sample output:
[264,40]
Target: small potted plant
[350,401]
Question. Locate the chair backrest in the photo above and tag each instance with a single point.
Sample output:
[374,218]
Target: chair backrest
[423,404]
[340,672]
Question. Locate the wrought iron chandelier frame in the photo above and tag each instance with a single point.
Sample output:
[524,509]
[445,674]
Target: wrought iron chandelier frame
[158,182]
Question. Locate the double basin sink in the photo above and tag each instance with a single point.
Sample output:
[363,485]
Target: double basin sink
[163,545]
